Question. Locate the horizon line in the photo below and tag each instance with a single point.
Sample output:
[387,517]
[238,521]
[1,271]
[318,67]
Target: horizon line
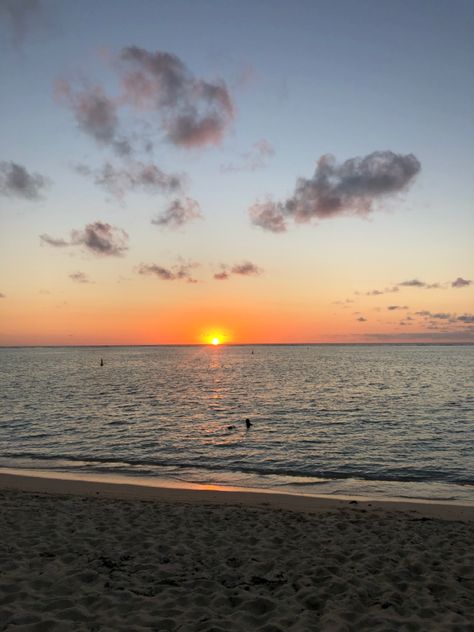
[245,344]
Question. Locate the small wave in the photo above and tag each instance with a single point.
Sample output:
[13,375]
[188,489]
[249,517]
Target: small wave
[420,476]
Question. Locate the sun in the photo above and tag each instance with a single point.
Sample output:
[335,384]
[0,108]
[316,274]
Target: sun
[214,336]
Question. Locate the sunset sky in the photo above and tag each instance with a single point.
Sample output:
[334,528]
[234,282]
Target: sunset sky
[261,172]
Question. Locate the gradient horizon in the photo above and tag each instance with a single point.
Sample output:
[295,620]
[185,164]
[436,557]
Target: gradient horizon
[87,257]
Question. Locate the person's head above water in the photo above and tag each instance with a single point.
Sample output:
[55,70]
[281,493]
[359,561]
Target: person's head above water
[248,423]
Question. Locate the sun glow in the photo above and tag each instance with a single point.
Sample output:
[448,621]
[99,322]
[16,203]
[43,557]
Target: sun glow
[215,336]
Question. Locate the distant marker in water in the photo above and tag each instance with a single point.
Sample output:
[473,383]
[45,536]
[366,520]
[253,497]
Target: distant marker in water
[101,362]
[248,423]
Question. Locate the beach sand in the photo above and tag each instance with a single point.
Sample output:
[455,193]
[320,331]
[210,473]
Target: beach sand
[77,555]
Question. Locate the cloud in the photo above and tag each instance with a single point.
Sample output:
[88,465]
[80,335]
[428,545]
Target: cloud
[412,283]
[459,335]
[52,241]
[136,176]
[373,293]
[420,284]
[441,315]
[193,112]
[387,290]
[20,15]
[95,114]
[268,216]
[157,86]
[436,315]
[79,277]
[246,269]
[175,273]
[391,308]
[345,303]
[252,160]
[351,188]
[15,181]
[446,316]
[466,318]
[100,238]
[222,276]
[460,282]
[178,213]
[361,319]
[2,295]
[242,269]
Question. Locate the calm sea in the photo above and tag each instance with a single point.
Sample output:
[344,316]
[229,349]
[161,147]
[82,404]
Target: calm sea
[371,420]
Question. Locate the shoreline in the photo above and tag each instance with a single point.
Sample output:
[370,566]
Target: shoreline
[139,489]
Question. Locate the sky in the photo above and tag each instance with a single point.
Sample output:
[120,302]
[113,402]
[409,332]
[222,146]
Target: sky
[256,172]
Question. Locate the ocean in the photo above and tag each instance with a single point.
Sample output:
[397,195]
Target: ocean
[393,421]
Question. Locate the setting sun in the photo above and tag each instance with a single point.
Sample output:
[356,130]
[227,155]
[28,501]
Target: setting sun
[215,336]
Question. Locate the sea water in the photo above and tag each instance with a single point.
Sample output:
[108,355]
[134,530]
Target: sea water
[377,420]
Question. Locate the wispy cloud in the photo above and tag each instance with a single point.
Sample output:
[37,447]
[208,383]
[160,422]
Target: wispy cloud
[246,269]
[134,176]
[269,216]
[392,308]
[223,275]
[412,283]
[457,335]
[79,277]
[387,290]
[460,282]
[420,284]
[53,241]
[351,188]
[436,315]
[361,319]
[417,283]
[16,181]
[256,158]
[100,238]
[20,16]
[241,269]
[2,295]
[178,213]
[466,318]
[194,112]
[447,317]
[95,113]
[181,272]
[190,111]
[345,303]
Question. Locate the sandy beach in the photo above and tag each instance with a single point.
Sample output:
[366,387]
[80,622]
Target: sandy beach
[79,555]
